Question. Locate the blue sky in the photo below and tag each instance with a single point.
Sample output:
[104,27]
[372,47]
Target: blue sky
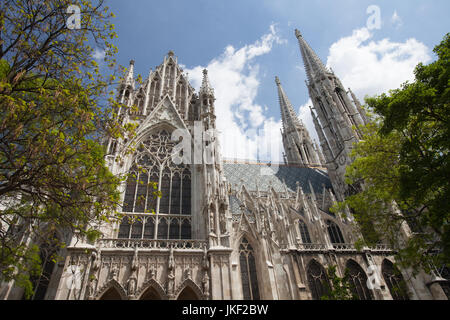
[254,40]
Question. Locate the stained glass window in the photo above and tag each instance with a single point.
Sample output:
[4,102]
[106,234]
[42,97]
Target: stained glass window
[249,278]
[304,232]
[152,163]
[317,280]
[394,281]
[357,279]
[334,232]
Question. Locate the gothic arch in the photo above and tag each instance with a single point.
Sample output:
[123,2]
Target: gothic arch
[250,238]
[317,279]
[357,279]
[142,136]
[394,280]
[248,268]
[305,235]
[248,230]
[152,284]
[334,232]
[112,284]
[189,284]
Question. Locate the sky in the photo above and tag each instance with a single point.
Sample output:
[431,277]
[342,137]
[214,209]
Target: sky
[245,44]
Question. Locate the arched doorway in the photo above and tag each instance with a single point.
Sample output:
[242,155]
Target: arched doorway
[187,294]
[151,294]
[111,294]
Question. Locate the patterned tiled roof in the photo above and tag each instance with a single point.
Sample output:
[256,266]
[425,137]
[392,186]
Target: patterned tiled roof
[252,174]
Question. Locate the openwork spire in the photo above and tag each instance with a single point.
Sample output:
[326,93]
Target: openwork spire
[313,65]
[206,86]
[296,140]
[288,115]
[129,78]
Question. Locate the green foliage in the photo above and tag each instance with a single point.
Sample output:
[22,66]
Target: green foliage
[403,165]
[54,119]
[339,288]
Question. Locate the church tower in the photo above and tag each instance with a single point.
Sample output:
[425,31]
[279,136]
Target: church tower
[298,146]
[336,117]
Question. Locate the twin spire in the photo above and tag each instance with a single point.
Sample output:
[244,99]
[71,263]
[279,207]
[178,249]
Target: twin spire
[298,146]
[288,115]
[313,64]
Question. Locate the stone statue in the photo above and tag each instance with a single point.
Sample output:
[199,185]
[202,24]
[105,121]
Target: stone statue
[132,285]
[205,284]
[114,272]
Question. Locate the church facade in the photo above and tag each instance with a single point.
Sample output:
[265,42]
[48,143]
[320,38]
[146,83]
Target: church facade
[224,229]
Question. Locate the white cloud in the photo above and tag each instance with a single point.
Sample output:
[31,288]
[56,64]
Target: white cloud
[244,128]
[304,113]
[98,54]
[396,20]
[371,67]
[376,66]
[368,67]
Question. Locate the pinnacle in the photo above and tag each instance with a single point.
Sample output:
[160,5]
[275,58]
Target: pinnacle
[277,80]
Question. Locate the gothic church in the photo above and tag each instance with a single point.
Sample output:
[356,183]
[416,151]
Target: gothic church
[230,230]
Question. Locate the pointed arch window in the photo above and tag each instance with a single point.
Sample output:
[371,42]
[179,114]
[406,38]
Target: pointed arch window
[445,273]
[171,212]
[47,253]
[341,100]
[322,108]
[317,280]
[334,232]
[304,233]
[357,279]
[126,97]
[111,294]
[249,278]
[394,280]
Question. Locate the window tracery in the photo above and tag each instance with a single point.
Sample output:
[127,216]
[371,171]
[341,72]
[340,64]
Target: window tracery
[317,280]
[334,232]
[171,219]
[304,233]
[394,281]
[357,279]
[249,278]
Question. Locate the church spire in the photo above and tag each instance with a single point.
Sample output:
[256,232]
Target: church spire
[288,116]
[129,78]
[337,119]
[206,86]
[313,65]
[297,143]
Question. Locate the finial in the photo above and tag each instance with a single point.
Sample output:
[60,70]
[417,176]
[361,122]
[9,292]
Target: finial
[132,62]
[170,53]
[297,33]
[277,81]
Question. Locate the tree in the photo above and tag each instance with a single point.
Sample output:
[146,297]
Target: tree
[403,164]
[53,121]
[340,287]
